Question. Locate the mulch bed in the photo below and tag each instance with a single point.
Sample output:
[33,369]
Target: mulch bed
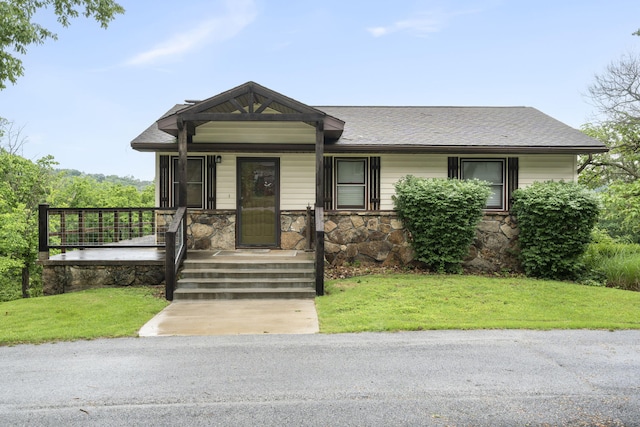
[346,271]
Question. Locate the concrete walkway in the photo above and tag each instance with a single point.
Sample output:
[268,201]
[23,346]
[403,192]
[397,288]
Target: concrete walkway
[234,317]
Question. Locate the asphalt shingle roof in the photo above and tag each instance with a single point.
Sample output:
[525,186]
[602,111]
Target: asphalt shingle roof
[407,127]
[456,126]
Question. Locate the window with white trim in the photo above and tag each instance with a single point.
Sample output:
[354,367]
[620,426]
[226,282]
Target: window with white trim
[490,170]
[351,183]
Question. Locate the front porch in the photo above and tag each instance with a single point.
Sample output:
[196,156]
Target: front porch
[87,248]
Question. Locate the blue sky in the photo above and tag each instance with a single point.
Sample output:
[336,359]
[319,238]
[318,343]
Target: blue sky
[86,96]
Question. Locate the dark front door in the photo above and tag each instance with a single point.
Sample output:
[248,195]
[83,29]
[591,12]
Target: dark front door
[258,202]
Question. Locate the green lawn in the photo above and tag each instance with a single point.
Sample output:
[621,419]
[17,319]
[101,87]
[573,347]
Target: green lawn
[97,313]
[417,302]
[390,302]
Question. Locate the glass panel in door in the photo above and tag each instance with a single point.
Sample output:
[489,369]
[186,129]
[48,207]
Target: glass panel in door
[258,209]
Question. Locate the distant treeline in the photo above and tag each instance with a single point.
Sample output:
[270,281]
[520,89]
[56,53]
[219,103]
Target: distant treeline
[113,179]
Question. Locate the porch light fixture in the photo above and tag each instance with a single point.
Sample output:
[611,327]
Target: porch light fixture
[218,159]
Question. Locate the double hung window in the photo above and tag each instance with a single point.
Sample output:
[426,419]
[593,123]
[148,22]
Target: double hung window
[351,183]
[195,181]
[490,170]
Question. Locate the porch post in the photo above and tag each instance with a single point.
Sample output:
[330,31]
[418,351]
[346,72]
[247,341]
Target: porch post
[319,211]
[182,163]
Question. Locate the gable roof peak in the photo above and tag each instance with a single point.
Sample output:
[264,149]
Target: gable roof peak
[251,100]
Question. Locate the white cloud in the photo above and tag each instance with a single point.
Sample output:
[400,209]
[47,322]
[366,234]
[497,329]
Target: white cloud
[239,14]
[421,25]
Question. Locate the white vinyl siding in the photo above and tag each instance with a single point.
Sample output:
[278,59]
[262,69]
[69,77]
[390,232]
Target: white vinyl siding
[395,166]
[547,167]
[297,181]
[256,132]
[226,182]
[297,173]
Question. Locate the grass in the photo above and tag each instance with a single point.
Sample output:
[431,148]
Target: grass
[419,302]
[97,313]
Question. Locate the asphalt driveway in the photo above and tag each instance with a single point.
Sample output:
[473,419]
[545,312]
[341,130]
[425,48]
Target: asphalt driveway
[439,378]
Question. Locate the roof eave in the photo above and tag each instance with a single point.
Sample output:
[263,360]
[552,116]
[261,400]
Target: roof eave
[410,149]
[457,149]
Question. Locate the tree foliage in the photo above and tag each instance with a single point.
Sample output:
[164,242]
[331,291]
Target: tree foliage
[23,186]
[620,163]
[86,192]
[18,30]
[555,221]
[621,212]
[442,216]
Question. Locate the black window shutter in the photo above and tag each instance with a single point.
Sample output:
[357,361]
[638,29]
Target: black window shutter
[328,183]
[374,183]
[211,182]
[453,168]
[512,178]
[163,181]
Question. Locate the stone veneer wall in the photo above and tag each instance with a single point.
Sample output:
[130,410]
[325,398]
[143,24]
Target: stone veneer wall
[58,279]
[380,238]
[216,230]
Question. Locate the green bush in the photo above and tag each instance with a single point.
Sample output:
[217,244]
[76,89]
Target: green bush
[441,215]
[555,221]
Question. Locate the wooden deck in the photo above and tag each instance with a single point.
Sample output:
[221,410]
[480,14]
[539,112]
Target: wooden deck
[109,256]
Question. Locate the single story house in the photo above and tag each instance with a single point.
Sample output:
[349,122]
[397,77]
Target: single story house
[253,168]
[258,155]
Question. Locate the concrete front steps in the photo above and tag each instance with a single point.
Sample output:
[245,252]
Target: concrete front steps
[258,274]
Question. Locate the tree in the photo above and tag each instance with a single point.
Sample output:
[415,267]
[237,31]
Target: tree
[616,92]
[616,95]
[620,163]
[23,185]
[18,31]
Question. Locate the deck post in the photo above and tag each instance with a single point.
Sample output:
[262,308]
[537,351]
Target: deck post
[319,209]
[43,231]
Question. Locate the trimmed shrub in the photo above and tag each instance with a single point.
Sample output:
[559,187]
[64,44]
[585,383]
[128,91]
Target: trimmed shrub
[442,216]
[555,221]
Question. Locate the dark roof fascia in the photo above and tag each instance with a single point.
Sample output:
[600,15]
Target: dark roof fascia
[457,149]
[364,149]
